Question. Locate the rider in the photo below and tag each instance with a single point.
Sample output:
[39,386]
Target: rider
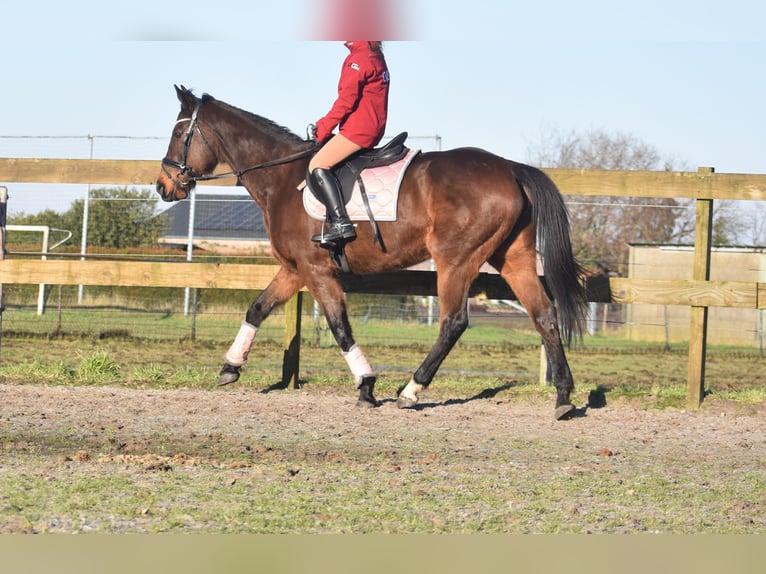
[360,110]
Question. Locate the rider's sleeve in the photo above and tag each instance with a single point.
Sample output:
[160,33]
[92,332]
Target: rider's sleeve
[350,85]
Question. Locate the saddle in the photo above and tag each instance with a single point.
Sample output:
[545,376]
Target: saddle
[348,171]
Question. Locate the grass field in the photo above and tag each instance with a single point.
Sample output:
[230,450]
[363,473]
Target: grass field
[154,352]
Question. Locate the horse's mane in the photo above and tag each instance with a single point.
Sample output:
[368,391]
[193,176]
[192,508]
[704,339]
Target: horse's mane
[267,125]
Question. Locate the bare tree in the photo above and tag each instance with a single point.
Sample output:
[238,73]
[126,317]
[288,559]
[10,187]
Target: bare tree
[602,227]
[739,223]
[758,227]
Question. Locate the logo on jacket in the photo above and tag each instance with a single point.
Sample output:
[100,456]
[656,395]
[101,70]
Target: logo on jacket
[354,66]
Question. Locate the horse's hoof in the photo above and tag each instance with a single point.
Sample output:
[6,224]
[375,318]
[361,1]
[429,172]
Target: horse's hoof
[229,374]
[406,402]
[366,390]
[564,412]
[366,404]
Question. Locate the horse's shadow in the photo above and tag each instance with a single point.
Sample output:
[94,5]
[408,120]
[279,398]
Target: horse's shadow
[483,395]
[281,386]
[596,398]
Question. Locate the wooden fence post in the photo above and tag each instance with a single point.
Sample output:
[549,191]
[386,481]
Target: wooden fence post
[3,213]
[544,374]
[703,236]
[292,352]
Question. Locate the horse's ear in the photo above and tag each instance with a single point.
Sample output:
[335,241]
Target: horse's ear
[185,96]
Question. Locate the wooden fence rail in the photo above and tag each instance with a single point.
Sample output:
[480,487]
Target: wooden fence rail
[423,283]
[704,186]
[701,184]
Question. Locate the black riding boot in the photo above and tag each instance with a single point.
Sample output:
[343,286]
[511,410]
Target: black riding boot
[326,188]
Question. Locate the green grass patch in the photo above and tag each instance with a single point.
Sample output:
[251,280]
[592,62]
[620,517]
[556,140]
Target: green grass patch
[98,367]
[481,360]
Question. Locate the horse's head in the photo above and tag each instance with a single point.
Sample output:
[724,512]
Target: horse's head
[189,154]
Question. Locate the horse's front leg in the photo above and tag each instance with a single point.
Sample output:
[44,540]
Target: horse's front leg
[284,285]
[328,293]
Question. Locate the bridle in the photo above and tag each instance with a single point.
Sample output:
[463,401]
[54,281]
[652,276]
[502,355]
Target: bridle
[185,170]
[182,167]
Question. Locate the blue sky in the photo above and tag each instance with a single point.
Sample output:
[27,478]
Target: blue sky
[685,77]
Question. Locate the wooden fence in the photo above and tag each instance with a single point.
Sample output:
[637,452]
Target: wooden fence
[704,186]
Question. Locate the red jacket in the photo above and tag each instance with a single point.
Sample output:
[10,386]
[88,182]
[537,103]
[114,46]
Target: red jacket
[361,109]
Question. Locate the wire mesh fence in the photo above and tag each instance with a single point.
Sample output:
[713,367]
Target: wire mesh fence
[203,314]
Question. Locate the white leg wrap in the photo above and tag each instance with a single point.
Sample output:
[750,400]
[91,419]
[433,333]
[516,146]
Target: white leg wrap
[358,364]
[237,353]
[411,390]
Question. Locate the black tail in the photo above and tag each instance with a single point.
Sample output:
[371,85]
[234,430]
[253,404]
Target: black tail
[563,274]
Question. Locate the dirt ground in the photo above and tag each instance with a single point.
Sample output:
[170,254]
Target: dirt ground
[88,412]
[139,428]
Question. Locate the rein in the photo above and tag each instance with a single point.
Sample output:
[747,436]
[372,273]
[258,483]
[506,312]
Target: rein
[272,163]
[185,169]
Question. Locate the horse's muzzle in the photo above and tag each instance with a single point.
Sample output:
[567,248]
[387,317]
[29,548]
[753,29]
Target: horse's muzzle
[169,190]
[163,192]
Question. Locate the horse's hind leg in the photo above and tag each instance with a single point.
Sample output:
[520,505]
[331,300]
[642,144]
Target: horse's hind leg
[284,285]
[520,272]
[452,324]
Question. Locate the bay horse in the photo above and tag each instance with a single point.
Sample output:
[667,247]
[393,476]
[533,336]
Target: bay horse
[461,207]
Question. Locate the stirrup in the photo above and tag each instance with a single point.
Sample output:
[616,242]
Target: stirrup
[337,232]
